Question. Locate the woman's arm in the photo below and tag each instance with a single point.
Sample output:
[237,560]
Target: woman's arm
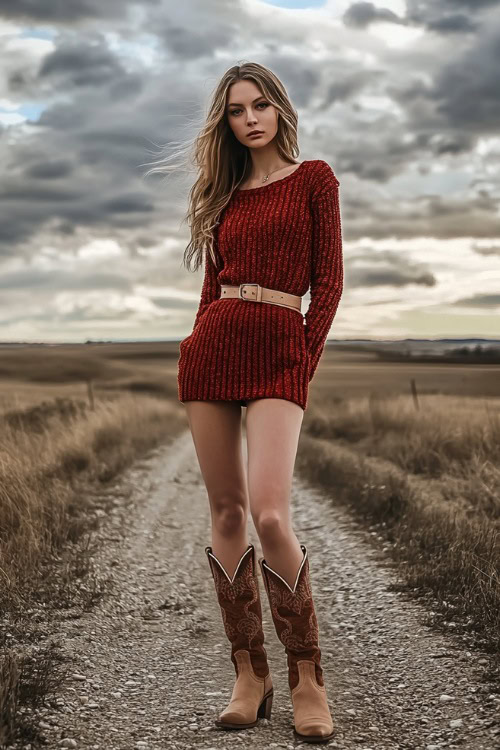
[210,289]
[327,272]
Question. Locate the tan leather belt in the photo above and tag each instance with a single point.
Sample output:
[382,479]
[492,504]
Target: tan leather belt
[257,293]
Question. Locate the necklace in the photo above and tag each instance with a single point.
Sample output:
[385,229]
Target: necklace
[264,179]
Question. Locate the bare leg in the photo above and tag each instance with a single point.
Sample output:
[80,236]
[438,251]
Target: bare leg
[273,429]
[216,430]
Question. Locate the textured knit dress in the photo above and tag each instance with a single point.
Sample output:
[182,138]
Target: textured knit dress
[285,235]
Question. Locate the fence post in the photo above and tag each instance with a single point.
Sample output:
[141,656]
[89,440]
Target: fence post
[90,392]
[414,393]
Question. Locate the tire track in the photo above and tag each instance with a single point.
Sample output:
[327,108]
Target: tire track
[152,664]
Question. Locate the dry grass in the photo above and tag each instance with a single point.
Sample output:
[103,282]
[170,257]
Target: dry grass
[43,449]
[429,481]
[53,451]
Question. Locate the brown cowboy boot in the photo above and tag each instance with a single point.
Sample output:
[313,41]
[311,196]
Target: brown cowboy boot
[240,604]
[297,628]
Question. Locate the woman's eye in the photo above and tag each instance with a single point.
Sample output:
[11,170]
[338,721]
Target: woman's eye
[265,104]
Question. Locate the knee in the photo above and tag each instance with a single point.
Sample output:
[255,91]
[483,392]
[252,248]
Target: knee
[228,516]
[270,526]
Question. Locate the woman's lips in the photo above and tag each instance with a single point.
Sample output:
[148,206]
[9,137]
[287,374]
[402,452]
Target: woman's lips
[255,135]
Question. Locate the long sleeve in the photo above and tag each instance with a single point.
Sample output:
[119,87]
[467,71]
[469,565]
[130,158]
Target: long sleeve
[242,350]
[210,289]
[327,272]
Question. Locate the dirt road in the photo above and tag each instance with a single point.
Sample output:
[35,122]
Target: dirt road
[152,666]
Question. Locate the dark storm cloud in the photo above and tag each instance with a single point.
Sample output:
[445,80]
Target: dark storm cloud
[82,63]
[441,16]
[190,44]
[62,280]
[13,230]
[348,84]
[62,116]
[92,145]
[448,16]
[387,268]
[466,88]
[199,28]
[457,101]
[457,23]
[146,241]
[99,214]
[50,170]
[138,74]
[361,15]
[42,193]
[421,11]
[470,5]
[479,300]
[374,277]
[65,11]
[121,144]
[128,203]
[126,87]
[81,164]
[489,250]
[300,77]
[173,303]
[28,207]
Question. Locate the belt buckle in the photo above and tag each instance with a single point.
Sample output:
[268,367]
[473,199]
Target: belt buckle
[258,298]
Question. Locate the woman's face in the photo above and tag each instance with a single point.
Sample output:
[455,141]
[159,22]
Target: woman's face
[248,110]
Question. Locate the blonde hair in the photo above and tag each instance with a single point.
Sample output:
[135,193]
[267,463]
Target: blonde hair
[222,161]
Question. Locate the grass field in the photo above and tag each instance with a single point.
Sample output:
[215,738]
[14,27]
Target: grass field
[70,420]
[412,448]
[421,467]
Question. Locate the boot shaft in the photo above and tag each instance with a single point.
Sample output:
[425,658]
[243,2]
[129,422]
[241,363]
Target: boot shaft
[294,617]
[240,604]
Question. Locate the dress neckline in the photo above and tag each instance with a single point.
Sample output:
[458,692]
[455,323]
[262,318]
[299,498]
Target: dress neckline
[258,189]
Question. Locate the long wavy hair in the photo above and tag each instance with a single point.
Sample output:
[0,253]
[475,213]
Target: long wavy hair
[222,162]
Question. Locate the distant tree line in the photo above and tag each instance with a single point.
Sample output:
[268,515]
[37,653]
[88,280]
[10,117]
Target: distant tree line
[478,354]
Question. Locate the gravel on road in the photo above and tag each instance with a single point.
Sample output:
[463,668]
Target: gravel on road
[150,663]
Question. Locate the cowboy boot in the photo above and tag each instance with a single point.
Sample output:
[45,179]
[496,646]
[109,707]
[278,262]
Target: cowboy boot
[240,604]
[296,624]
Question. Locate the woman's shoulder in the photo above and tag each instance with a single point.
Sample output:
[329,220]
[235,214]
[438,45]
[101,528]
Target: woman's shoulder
[323,178]
[321,168]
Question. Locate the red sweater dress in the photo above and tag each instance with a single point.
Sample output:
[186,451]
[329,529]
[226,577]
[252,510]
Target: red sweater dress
[285,235]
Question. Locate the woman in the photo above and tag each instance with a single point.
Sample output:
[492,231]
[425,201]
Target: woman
[271,228]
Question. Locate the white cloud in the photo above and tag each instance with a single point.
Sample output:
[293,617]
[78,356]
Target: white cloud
[396,36]
[11,118]
[100,249]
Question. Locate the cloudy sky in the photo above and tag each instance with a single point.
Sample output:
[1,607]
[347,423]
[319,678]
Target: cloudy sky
[400,97]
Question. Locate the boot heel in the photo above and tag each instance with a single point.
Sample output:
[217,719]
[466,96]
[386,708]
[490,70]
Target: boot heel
[264,711]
